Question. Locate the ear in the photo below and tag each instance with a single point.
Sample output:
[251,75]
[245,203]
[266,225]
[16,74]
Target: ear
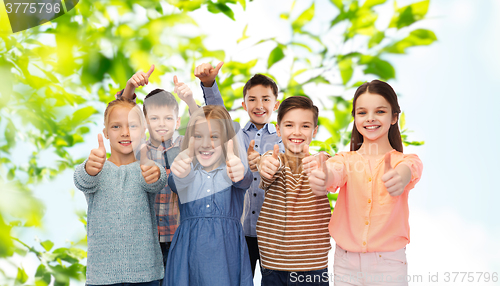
[105,132]
[178,123]
[394,118]
[278,130]
[276,106]
[315,131]
[244,105]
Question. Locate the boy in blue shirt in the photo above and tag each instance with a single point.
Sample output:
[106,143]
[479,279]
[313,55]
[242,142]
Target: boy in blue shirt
[260,100]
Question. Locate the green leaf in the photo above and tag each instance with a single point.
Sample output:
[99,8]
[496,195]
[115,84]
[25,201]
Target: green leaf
[83,114]
[374,65]
[372,3]
[346,70]
[303,19]
[402,121]
[275,56]
[21,276]
[407,15]
[220,7]
[244,36]
[338,4]
[376,39]
[47,245]
[419,37]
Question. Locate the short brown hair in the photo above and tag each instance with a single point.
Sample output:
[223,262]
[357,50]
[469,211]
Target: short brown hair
[297,102]
[160,98]
[260,79]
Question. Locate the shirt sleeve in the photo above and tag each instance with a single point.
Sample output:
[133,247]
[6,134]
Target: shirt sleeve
[212,95]
[246,181]
[337,167]
[416,167]
[119,94]
[85,182]
[158,185]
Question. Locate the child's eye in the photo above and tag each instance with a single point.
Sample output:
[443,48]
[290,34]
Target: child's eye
[197,136]
[306,126]
[153,118]
[381,111]
[215,137]
[288,125]
[115,126]
[170,118]
[133,126]
[361,113]
[267,99]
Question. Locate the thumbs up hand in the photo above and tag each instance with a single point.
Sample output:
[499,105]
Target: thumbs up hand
[207,73]
[393,181]
[150,170]
[235,169]
[182,163]
[141,78]
[96,159]
[309,163]
[253,157]
[183,91]
[318,178]
[269,164]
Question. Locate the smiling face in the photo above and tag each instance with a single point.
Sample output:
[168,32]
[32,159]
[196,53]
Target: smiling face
[162,122]
[296,130]
[208,138]
[124,131]
[373,117]
[260,102]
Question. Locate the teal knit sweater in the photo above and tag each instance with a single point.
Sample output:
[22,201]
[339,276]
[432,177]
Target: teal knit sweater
[122,234]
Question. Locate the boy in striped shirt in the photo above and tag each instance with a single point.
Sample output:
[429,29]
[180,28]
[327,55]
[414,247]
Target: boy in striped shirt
[292,228]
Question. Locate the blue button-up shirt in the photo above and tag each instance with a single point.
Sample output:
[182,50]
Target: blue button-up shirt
[265,138]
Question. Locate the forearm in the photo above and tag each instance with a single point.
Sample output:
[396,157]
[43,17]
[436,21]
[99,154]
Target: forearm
[129,91]
[211,94]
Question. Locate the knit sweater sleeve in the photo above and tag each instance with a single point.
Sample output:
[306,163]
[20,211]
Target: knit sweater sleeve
[85,182]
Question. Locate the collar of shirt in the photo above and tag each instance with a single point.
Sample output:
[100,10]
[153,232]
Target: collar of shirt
[199,167]
[268,126]
[163,146]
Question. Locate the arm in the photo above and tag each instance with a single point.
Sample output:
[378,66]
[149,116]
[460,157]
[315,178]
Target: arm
[397,180]
[207,74]
[85,182]
[185,94]
[138,79]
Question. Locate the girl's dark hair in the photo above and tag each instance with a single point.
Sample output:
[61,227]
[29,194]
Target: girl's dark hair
[385,90]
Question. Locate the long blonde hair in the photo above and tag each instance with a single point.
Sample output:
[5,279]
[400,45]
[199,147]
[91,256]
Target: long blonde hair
[214,113]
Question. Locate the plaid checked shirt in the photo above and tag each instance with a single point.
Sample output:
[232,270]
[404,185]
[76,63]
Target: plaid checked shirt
[166,202]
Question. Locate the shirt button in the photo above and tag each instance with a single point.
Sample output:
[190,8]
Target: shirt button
[208,177]
[255,179]
[364,242]
[253,212]
[161,219]
[256,146]
[255,194]
[369,179]
[369,201]
[258,134]
[208,206]
[366,223]
[208,191]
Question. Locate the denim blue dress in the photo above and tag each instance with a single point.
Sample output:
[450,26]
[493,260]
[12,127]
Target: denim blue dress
[209,247]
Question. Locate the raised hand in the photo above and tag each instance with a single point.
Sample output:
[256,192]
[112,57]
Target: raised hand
[96,159]
[141,78]
[318,177]
[207,73]
[183,91]
[391,178]
[269,165]
[253,157]
[150,171]
[182,163]
[235,169]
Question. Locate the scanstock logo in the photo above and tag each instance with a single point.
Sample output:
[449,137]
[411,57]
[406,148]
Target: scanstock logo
[19,15]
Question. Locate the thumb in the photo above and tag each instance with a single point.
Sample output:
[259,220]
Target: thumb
[250,148]
[191,148]
[230,152]
[144,154]
[101,142]
[322,158]
[306,150]
[176,81]
[276,151]
[150,71]
[218,67]
[387,161]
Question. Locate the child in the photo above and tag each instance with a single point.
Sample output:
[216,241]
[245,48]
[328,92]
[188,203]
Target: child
[370,220]
[121,225]
[162,116]
[292,228]
[260,99]
[209,248]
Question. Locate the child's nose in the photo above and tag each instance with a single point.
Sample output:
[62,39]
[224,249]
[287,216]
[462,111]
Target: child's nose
[125,132]
[206,142]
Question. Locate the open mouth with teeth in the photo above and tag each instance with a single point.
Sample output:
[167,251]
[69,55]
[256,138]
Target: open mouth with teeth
[125,142]
[259,114]
[162,131]
[372,127]
[205,155]
[296,141]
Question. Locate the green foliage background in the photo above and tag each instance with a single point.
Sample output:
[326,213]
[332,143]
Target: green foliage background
[55,78]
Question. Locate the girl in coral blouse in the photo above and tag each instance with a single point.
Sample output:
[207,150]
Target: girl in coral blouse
[370,220]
